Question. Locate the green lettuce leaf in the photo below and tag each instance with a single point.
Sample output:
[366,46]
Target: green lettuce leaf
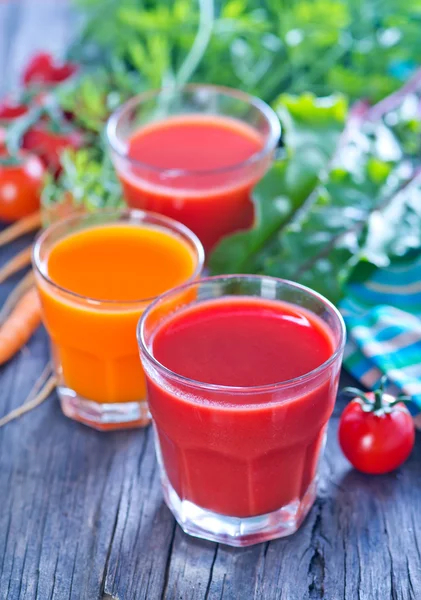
[363,209]
[394,230]
[321,248]
[311,128]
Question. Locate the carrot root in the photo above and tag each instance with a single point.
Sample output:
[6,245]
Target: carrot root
[20,324]
[25,225]
[16,294]
[33,401]
[18,262]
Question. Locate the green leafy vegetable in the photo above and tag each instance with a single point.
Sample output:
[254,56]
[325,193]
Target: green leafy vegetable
[343,196]
[87,181]
[346,221]
[383,240]
[321,248]
[311,128]
[362,48]
[94,94]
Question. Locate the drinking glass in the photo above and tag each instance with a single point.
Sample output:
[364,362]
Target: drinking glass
[211,202]
[93,341]
[239,464]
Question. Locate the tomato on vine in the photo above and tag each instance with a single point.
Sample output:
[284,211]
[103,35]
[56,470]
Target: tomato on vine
[10,110]
[48,140]
[21,179]
[17,106]
[376,431]
[43,70]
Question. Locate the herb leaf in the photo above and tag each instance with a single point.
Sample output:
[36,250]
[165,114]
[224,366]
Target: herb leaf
[311,129]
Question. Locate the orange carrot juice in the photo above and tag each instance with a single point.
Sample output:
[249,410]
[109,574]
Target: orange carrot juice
[96,274]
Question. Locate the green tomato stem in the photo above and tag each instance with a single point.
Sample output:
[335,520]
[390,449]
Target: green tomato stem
[379,405]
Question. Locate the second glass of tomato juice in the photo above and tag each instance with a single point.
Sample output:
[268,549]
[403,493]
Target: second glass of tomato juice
[242,373]
[96,274]
[194,154]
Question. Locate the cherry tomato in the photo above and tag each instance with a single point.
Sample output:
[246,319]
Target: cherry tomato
[49,142]
[20,185]
[42,70]
[10,110]
[376,431]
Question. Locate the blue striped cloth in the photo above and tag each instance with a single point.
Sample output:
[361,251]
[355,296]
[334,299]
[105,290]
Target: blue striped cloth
[383,319]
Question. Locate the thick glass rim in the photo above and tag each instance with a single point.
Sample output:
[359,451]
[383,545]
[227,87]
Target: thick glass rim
[242,389]
[267,112]
[140,216]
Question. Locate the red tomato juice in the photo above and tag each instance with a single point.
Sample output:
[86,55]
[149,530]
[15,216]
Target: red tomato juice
[195,169]
[249,452]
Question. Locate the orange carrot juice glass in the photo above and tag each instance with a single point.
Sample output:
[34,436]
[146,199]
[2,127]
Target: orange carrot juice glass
[96,274]
[194,154]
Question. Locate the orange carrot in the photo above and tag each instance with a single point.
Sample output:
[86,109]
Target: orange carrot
[25,225]
[18,262]
[15,295]
[20,325]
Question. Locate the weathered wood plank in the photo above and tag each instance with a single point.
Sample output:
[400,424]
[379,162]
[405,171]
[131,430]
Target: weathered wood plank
[83,515]
[190,567]
[144,528]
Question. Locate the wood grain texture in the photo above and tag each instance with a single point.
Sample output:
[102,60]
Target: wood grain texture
[82,513]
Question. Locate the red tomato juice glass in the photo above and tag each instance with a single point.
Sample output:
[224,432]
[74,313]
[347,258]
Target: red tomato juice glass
[242,374]
[194,154]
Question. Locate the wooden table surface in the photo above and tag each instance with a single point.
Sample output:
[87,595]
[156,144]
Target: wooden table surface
[82,515]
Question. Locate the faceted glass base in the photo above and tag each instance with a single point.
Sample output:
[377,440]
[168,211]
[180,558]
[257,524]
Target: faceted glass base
[106,416]
[236,531]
